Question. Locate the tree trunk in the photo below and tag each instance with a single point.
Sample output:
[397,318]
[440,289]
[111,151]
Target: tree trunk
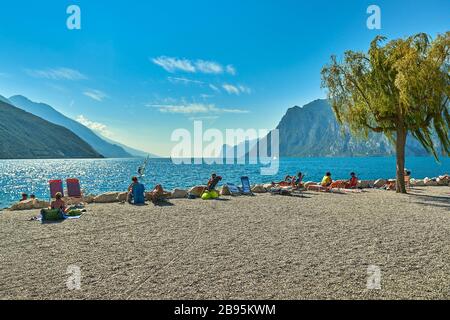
[400,151]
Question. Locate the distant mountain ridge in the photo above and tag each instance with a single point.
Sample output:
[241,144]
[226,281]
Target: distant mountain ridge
[313,131]
[45,111]
[26,136]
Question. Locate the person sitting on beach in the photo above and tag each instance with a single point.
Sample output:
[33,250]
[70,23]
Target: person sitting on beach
[326,181]
[58,203]
[353,182]
[297,181]
[213,181]
[134,183]
[24,197]
[32,197]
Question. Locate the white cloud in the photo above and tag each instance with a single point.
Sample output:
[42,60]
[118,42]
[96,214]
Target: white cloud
[195,108]
[184,80]
[237,90]
[173,64]
[95,94]
[214,88]
[231,69]
[208,67]
[56,74]
[95,126]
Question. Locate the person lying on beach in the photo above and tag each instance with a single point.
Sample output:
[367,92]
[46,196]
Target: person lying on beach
[288,180]
[158,194]
[58,203]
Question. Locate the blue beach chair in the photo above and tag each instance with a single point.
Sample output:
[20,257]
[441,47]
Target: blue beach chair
[138,193]
[246,189]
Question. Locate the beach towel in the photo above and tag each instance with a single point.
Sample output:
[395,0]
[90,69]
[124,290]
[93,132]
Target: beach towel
[246,189]
[55,187]
[138,193]
[56,215]
[73,188]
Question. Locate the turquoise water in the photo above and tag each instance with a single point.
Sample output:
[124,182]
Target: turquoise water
[97,176]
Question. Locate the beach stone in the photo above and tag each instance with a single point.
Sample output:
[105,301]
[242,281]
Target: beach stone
[259,188]
[379,183]
[443,180]
[88,199]
[30,204]
[197,190]
[365,184]
[310,183]
[109,197]
[418,183]
[225,191]
[179,194]
[430,182]
[122,196]
[267,186]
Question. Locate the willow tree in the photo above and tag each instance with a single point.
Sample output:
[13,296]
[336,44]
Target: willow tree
[400,88]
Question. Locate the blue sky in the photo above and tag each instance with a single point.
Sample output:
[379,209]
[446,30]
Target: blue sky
[137,70]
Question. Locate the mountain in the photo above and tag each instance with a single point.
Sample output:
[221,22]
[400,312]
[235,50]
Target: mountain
[46,112]
[312,131]
[134,152]
[3,99]
[26,136]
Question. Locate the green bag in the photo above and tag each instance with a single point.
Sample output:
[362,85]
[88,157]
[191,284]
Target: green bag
[74,213]
[52,215]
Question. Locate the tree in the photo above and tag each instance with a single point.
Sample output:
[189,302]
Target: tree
[397,89]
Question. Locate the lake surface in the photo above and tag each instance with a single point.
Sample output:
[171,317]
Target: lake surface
[98,176]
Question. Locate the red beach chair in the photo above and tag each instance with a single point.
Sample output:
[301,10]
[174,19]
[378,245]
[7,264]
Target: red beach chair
[55,187]
[73,188]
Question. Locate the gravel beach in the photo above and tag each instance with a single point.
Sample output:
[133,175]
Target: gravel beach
[318,246]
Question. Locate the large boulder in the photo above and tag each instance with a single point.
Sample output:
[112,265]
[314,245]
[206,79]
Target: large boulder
[109,197]
[122,196]
[310,183]
[417,183]
[179,194]
[365,184]
[380,183]
[197,190]
[443,180]
[267,186]
[225,191]
[430,182]
[88,199]
[259,188]
[30,205]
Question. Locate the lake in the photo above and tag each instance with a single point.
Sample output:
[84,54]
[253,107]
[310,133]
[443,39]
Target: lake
[98,176]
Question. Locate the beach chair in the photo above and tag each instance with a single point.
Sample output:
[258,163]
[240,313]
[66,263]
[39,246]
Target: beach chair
[55,187]
[246,188]
[138,193]
[73,188]
[234,190]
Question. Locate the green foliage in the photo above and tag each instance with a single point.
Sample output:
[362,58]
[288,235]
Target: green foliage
[404,84]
